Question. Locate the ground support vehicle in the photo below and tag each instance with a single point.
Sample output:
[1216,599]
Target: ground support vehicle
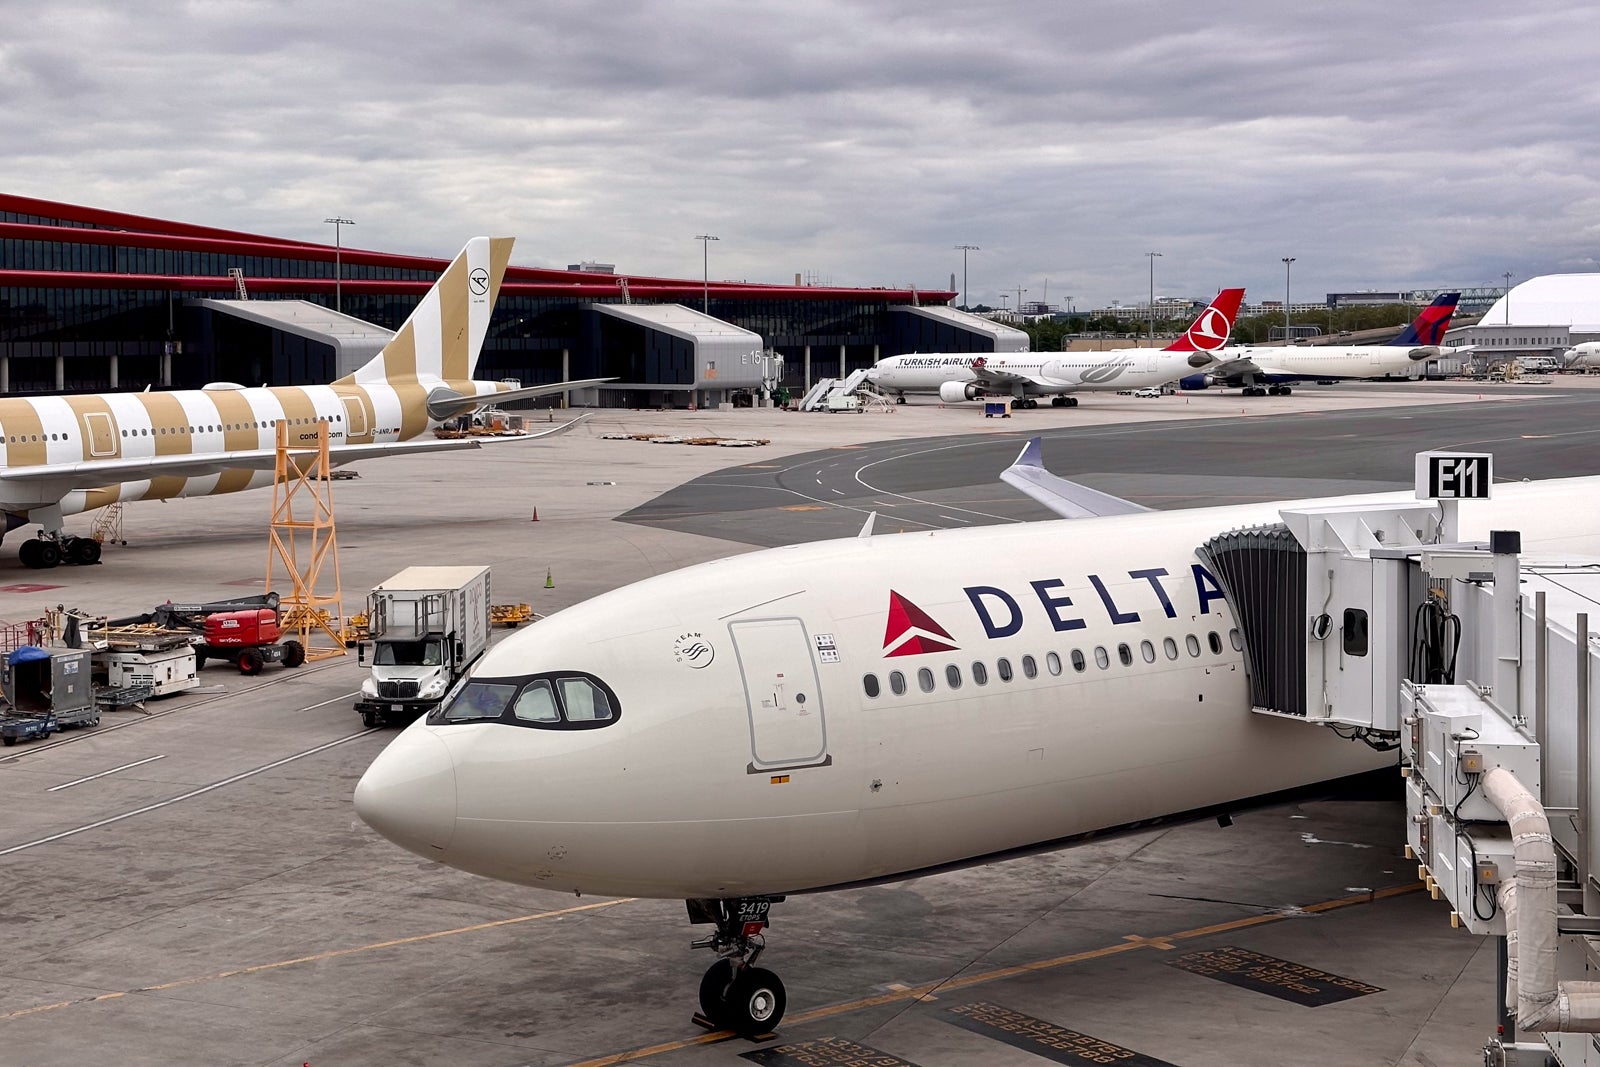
[160,661]
[247,639]
[53,682]
[25,728]
[427,626]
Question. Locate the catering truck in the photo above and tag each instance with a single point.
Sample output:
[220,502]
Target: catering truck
[426,627]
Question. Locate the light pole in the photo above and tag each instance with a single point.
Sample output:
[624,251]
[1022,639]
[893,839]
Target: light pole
[1286,261]
[966,294]
[338,267]
[705,240]
[1153,256]
[1507,277]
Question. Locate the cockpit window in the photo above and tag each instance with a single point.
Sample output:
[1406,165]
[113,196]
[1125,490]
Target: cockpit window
[585,701]
[556,701]
[536,703]
[479,702]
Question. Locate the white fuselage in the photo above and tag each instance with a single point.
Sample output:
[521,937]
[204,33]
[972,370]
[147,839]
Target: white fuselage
[1333,362]
[1583,357]
[1035,373]
[764,743]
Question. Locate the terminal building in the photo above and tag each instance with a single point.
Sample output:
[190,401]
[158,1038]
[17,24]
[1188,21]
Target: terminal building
[95,300]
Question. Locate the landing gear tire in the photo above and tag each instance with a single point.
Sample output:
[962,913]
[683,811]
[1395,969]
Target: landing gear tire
[755,1002]
[714,988]
[1072,401]
[294,653]
[49,554]
[250,662]
[84,551]
[28,553]
[1284,390]
[1058,401]
[899,400]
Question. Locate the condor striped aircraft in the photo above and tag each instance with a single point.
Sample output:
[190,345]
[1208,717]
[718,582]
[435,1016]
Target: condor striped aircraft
[870,709]
[62,455]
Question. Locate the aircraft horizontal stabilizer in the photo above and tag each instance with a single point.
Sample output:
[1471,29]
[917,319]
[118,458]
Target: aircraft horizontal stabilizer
[445,403]
[1070,500]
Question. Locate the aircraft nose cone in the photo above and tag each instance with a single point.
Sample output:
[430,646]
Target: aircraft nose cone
[409,793]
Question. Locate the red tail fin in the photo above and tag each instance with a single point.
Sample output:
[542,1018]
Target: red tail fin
[1210,330]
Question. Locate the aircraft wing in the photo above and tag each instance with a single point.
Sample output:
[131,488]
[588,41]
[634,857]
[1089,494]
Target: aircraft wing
[987,376]
[1237,368]
[1070,500]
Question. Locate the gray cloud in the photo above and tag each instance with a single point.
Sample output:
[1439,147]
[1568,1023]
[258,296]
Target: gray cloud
[1380,144]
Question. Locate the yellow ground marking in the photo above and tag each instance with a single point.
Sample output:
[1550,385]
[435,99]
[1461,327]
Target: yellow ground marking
[805,507]
[924,992]
[331,954]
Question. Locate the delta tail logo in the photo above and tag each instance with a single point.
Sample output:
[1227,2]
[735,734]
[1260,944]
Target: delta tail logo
[912,631]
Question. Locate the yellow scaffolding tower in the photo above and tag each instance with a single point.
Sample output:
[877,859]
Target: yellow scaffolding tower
[305,546]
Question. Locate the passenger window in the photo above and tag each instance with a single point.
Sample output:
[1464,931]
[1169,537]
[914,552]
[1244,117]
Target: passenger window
[536,703]
[952,676]
[1170,647]
[1003,668]
[1215,641]
[1125,655]
[1148,651]
[1355,632]
[925,680]
[1052,663]
[1078,663]
[980,674]
[1236,639]
[584,700]
[870,684]
[1030,669]
[897,683]
[1101,658]
[1193,644]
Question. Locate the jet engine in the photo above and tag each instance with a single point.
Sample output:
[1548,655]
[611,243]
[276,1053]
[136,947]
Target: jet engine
[1197,381]
[956,392]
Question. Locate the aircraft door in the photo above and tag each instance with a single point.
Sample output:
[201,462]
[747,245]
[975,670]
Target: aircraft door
[783,693]
[357,427]
[102,433]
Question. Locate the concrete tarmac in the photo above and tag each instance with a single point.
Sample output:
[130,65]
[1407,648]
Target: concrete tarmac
[191,885]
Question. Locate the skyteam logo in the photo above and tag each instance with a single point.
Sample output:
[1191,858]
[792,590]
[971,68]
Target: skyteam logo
[694,650]
[1210,331]
[912,631]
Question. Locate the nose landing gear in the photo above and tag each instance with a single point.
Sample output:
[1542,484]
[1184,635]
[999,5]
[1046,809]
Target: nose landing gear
[735,994]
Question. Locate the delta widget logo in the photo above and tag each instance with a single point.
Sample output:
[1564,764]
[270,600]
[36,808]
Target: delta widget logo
[912,631]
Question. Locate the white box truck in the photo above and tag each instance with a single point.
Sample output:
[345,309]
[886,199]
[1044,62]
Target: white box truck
[427,626]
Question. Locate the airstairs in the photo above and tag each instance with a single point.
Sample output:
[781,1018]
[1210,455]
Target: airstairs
[829,389]
[1476,662]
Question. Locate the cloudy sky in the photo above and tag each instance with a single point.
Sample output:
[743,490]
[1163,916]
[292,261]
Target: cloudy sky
[1383,145]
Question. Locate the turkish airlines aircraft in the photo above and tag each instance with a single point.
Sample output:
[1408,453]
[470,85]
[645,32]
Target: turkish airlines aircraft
[868,709]
[1250,367]
[61,455]
[1029,375]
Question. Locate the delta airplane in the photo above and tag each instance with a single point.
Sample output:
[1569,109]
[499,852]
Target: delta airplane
[1028,375]
[62,455]
[870,709]
[1250,367]
[1583,357]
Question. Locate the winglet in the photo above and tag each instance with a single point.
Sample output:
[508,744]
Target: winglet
[866,527]
[1070,500]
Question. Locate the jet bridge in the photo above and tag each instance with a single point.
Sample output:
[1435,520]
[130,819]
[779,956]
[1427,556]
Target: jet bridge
[1476,662]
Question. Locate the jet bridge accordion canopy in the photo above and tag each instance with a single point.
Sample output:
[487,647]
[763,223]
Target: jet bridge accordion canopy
[1262,571]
